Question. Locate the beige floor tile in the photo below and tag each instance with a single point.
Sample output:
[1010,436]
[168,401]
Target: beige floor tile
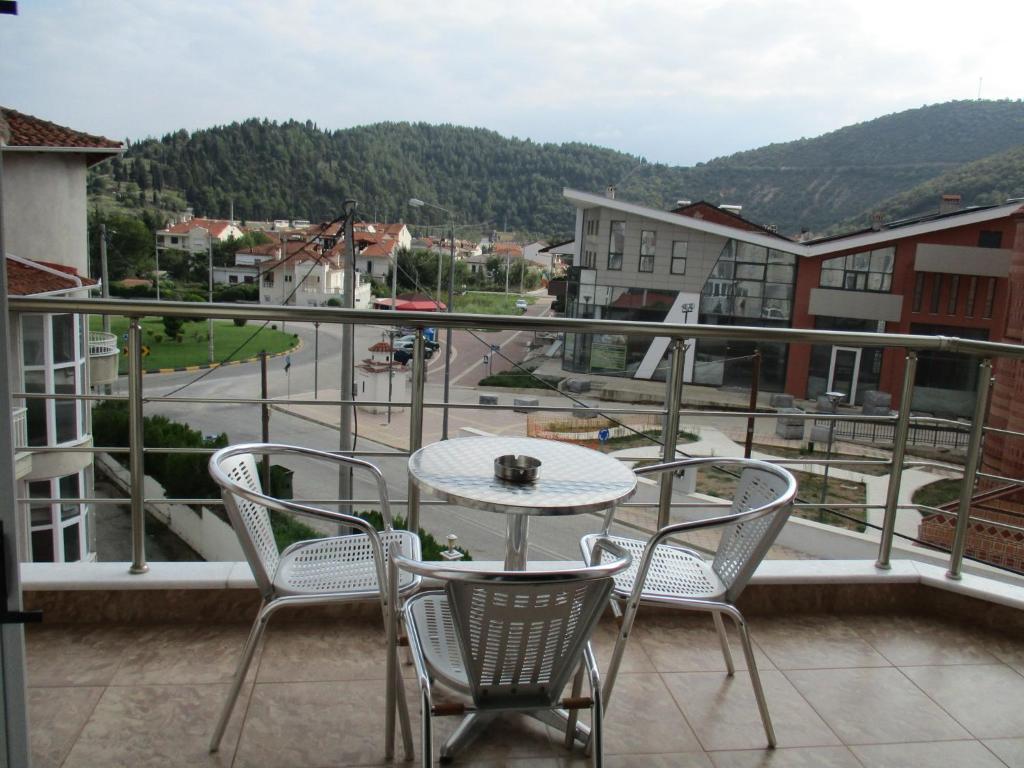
[944,753]
[674,760]
[1010,751]
[634,659]
[815,642]
[1009,649]
[56,716]
[723,711]
[322,652]
[690,644]
[874,706]
[313,724]
[920,641]
[162,726]
[797,757]
[987,700]
[190,654]
[642,717]
[73,654]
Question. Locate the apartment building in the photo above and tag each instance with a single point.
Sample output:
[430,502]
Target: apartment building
[44,210]
[942,274]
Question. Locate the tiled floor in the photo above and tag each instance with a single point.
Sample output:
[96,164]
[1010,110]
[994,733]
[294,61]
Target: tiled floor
[844,691]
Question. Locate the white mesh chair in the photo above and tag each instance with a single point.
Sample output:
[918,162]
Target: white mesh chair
[672,575]
[504,640]
[328,570]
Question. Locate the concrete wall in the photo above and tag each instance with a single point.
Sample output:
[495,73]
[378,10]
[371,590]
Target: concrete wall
[45,207]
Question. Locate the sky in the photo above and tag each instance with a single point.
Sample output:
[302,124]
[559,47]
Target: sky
[678,82]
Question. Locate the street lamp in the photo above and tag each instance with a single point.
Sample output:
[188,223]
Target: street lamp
[417,203]
[834,398]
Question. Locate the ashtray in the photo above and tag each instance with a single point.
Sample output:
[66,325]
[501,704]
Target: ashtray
[516,469]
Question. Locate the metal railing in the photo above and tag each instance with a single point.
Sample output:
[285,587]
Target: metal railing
[679,335]
[101,343]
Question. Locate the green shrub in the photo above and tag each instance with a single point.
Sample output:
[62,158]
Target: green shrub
[172,326]
[240,321]
[520,380]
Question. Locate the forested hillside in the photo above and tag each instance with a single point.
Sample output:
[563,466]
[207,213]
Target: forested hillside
[297,170]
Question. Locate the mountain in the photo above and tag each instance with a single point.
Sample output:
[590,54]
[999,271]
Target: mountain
[268,170]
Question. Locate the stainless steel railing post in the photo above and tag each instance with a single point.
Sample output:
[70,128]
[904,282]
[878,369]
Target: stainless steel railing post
[136,440]
[963,520]
[673,399]
[416,425]
[899,449]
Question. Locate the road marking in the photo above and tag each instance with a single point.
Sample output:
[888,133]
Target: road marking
[480,363]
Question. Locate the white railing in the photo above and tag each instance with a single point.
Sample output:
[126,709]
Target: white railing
[101,343]
[19,427]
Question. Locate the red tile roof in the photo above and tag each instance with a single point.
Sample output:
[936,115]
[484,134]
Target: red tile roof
[20,130]
[27,280]
[508,248]
[215,227]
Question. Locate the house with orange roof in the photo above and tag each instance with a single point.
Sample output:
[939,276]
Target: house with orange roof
[44,214]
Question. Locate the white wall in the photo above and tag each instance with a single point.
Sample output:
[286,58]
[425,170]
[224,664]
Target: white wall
[45,207]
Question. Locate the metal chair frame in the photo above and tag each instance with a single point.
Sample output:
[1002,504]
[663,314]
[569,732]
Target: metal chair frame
[307,563]
[507,641]
[764,509]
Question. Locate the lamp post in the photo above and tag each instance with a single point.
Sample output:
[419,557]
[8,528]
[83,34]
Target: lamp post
[835,398]
[417,203]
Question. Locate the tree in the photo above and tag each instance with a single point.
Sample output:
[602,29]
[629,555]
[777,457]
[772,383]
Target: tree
[130,245]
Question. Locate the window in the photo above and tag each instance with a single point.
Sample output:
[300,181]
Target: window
[648,245]
[972,292]
[287,278]
[750,283]
[954,291]
[616,244]
[990,297]
[865,271]
[988,238]
[369,267]
[679,257]
[57,528]
[53,351]
[232,279]
[918,291]
[936,293]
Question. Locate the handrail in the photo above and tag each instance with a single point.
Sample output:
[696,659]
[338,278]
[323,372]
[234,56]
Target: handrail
[134,308]
[102,343]
[899,424]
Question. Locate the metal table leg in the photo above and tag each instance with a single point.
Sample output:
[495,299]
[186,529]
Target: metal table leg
[518,527]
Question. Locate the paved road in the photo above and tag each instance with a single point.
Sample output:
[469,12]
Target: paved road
[481,532]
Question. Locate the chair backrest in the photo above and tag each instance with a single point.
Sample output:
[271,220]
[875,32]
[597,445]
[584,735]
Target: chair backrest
[522,633]
[250,520]
[744,544]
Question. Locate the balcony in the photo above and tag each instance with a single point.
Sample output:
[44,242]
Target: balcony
[875,650]
[102,358]
[846,688]
[19,431]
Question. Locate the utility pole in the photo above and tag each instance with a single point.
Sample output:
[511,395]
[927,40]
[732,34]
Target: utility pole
[104,277]
[156,275]
[347,358]
[209,294]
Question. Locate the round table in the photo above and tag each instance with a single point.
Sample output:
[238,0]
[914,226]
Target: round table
[571,480]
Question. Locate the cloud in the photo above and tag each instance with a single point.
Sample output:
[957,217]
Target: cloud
[676,82]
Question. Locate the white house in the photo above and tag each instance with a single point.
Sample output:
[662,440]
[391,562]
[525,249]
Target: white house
[44,217]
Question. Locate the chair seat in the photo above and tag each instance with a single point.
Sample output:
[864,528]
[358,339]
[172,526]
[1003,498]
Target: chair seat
[341,564]
[675,572]
[429,617]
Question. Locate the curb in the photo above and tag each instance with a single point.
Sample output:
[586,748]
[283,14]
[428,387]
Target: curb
[207,366]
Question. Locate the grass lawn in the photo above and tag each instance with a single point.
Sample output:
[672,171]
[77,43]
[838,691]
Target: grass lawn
[938,493]
[482,303]
[784,452]
[193,349]
[718,482]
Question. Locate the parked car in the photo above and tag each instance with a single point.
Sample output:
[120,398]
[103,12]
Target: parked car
[522,304]
[405,344]
[409,340]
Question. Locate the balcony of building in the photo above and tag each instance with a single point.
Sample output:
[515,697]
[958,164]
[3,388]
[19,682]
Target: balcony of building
[874,650]
[103,353]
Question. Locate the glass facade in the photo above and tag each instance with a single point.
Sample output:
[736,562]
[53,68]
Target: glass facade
[865,271]
[749,285]
[54,360]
